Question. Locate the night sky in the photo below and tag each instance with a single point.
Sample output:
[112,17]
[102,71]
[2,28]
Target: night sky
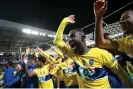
[48,15]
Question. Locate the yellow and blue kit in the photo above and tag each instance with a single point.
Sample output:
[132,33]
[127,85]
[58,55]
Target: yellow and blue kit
[44,77]
[89,66]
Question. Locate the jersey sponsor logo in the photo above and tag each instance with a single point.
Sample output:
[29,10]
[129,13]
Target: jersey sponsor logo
[92,73]
[68,71]
[87,72]
[42,79]
[91,62]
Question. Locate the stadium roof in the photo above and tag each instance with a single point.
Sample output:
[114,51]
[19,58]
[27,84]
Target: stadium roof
[12,37]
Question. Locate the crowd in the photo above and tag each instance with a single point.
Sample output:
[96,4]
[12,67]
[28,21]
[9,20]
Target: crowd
[77,65]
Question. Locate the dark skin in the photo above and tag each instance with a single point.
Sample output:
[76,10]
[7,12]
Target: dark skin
[126,21]
[77,41]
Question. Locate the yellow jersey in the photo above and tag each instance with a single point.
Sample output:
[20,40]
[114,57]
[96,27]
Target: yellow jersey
[126,45]
[59,72]
[1,76]
[69,73]
[89,66]
[44,77]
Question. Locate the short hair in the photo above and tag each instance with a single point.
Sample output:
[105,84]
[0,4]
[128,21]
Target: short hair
[131,9]
[77,30]
[41,58]
[32,57]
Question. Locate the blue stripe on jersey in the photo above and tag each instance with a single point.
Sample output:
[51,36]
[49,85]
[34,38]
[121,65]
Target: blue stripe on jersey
[91,73]
[44,78]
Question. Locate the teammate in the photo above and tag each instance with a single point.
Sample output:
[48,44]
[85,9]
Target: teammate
[42,72]
[66,66]
[122,45]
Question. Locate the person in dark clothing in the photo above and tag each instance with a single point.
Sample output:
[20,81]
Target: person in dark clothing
[9,73]
[16,82]
[31,82]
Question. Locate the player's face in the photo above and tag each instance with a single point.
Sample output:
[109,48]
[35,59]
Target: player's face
[126,22]
[76,41]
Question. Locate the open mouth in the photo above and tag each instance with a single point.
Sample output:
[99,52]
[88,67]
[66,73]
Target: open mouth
[72,44]
[74,48]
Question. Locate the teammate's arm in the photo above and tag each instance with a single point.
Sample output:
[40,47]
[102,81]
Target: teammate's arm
[53,71]
[59,35]
[57,79]
[51,59]
[100,6]
[58,52]
[30,74]
[109,61]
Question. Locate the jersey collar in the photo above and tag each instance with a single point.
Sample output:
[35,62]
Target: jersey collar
[86,51]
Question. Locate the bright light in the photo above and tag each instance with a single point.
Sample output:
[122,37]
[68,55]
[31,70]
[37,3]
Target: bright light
[33,32]
[43,34]
[1,53]
[27,31]
[52,36]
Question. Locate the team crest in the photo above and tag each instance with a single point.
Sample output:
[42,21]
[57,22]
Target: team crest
[91,62]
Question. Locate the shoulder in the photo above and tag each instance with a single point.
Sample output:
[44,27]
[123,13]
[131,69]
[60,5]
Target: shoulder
[100,51]
[96,49]
[124,39]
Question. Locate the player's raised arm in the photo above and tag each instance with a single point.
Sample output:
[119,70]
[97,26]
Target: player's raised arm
[58,41]
[50,58]
[30,74]
[100,7]
[60,54]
